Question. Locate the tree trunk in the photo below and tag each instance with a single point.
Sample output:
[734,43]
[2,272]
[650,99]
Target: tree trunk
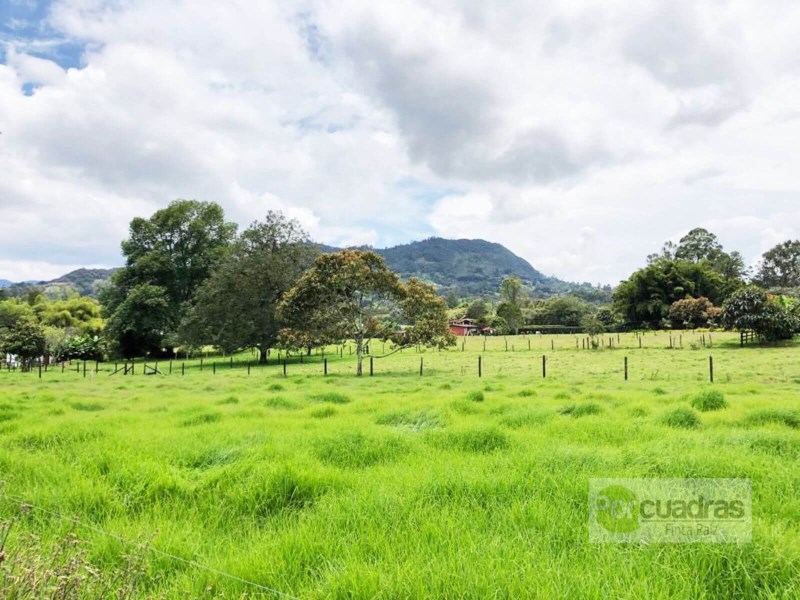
[359,354]
[262,355]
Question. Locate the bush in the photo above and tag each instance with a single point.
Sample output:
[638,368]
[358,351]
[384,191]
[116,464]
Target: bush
[682,418]
[709,400]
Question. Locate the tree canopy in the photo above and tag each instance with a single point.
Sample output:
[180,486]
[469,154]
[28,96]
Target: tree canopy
[771,317]
[167,257]
[780,266]
[353,295]
[235,307]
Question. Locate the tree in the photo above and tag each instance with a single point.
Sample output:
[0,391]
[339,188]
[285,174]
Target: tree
[510,308]
[780,266]
[692,313]
[174,251]
[771,317]
[26,340]
[561,310]
[80,313]
[235,307]
[646,297]
[593,326]
[424,315]
[699,244]
[350,294]
[478,311]
[138,323]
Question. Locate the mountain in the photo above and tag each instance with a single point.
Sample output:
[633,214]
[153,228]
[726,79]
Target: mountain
[86,282]
[5,283]
[463,267]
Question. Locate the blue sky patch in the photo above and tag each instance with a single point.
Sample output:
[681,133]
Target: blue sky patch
[24,26]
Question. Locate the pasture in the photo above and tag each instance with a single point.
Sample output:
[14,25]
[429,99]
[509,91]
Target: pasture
[401,485]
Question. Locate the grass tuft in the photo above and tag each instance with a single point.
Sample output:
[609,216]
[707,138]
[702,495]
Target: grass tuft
[357,450]
[681,418]
[413,420]
[479,441]
[87,406]
[475,396]
[202,419]
[709,400]
[330,397]
[787,417]
[580,410]
[323,412]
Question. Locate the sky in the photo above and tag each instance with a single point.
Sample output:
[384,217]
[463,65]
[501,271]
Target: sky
[581,135]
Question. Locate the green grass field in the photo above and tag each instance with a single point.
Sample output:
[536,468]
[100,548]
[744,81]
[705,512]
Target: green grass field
[406,486]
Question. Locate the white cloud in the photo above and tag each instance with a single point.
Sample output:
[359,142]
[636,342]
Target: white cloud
[582,137]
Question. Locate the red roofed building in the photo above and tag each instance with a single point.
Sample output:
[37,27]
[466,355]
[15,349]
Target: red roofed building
[464,327]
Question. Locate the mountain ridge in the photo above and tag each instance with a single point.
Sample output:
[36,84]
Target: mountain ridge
[464,267]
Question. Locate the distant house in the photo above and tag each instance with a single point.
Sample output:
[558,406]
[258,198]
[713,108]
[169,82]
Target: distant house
[464,327]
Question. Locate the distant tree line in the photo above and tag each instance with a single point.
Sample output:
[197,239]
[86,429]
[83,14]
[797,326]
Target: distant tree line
[692,284]
[191,281]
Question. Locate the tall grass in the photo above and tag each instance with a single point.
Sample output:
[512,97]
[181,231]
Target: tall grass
[397,485]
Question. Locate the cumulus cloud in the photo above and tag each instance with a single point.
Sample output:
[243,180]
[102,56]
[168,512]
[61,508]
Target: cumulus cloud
[580,136]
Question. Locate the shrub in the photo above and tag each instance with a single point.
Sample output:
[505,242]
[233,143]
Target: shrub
[681,418]
[709,400]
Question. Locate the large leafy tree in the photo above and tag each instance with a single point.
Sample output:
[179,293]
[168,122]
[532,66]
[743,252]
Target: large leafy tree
[167,257]
[235,307]
[351,295]
[700,245]
[646,297]
[560,310]
[771,317]
[780,266]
